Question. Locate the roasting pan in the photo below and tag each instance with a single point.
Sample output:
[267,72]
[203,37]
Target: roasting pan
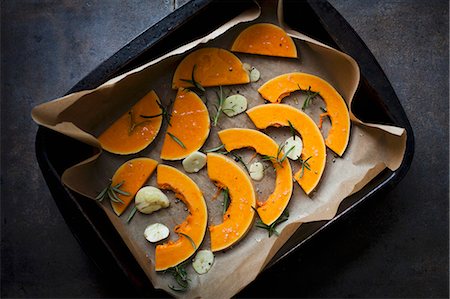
[319,20]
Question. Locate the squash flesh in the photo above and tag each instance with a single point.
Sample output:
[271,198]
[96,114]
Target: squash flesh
[213,67]
[265,39]
[134,173]
[189,123]
[267,115]
[279,87]
[239,216]
[236,138]
[172,253]
[118,138]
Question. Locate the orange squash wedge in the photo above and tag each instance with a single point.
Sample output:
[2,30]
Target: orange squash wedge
[192,231]
[279,87]
[210,67]
[189,126]
[238,218]
[133,173]
[131,133]
[277,115]
[265,39]
[271,209]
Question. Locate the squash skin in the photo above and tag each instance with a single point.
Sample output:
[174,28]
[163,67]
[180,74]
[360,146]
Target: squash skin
[277,115]
[190,123]
[271,209]
[117,139]
[134,173]
[265,39]
[239,216]
[279,87]
[172,253]
[213,67]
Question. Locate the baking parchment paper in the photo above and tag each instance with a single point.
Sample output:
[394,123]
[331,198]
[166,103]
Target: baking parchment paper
[84,115]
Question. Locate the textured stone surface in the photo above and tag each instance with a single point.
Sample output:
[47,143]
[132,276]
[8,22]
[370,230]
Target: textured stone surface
[47,47]
[394,246]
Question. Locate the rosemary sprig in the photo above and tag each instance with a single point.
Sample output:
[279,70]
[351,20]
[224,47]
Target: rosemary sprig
[165,112]
[309,97]
[226,200]
[175,138]
[215,149]
[111,192]
[180,275]
[133,212]
[193,82]
[286,154]
[291,127]
[305,165]
[272,228]
[219,107]
[189,238]
[179,272]
[278,159]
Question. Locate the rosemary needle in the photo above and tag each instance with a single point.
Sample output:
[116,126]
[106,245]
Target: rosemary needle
[226,200]
[193,82]
[279,160]
[179,273]
[190,239]
[133,212]
[175,138]
[164,112]
[309,97]
[214,149]
[291,127]
[305,165]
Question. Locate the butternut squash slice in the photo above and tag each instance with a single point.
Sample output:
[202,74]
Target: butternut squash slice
[131,133]
[189,126]
[277,115]
[133,173]
[210,67]
[265,39]
[273,207]
[192,231]
[238,218]
[279,87]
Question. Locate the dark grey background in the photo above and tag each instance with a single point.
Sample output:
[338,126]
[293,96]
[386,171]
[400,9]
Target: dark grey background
[402,251]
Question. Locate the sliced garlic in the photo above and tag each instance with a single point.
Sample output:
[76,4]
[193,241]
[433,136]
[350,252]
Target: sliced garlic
[203,261]
[247,66]
[156,232]
[254,75]
[234,105]
[256,171]
[150,199]
[194,162]
[296,142]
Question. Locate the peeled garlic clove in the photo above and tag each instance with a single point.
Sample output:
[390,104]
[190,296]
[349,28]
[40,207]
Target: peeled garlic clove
[234,105]
[194,162]
[150,199]
[254,75]
[297,143]
[156,232]
[256,171]
[203,261]
[247,66]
